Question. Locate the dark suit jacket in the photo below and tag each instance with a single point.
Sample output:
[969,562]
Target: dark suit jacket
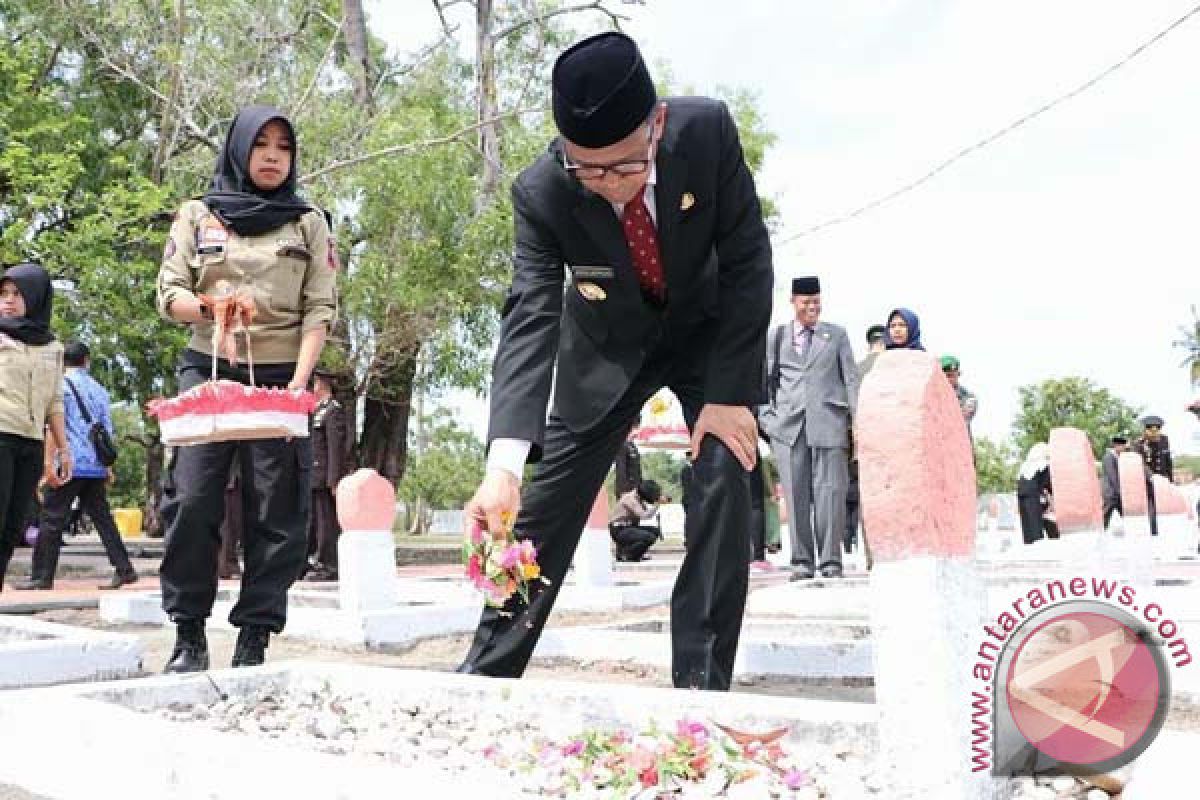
[717,258]
[329,445]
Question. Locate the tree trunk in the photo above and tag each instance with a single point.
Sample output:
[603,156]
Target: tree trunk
[384,445]
[486,103]
[151,521]
[354,28]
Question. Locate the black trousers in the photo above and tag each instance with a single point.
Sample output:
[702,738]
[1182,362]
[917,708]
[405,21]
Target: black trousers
[758,514]
[1111,505]
[853,508]
[710,590]
[632,541]
[323,528]
[1034,525]
[275,480]
[231,531]
[56,515]
[21,465]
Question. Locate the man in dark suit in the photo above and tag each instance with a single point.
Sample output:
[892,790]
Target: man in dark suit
[1110,477]
[628,468]
[329,461]
[647,211]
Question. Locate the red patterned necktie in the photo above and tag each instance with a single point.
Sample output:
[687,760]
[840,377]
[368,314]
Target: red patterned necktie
[643,246]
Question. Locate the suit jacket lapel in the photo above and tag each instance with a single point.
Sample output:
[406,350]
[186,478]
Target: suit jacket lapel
[817,346]
[670,181]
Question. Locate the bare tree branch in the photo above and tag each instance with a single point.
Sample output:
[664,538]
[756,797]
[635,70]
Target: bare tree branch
[333,40]
[595,5]
[409,147]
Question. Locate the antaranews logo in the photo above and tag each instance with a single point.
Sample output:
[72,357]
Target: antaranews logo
[1076,684]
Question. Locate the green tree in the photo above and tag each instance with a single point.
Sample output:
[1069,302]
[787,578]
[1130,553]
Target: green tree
[663,466]
[444,470]
[1190,342]
[1071,402]
[995,466]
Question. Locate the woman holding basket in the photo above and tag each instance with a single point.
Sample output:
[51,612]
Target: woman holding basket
[253,234]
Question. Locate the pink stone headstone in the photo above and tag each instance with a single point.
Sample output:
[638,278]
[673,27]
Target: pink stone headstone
[1167,497]
[918,499]
[915,468]
[1077,502]
[366,501]
[1132,470]
[598,518]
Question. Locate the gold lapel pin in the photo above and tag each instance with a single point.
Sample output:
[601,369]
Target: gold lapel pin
[591,291]
[687,202]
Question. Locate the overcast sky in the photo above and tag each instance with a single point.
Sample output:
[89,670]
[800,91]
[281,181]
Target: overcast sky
[1069,247]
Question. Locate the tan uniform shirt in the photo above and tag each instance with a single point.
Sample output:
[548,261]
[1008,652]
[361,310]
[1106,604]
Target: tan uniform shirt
[291,270]
[631,510]
[30,386]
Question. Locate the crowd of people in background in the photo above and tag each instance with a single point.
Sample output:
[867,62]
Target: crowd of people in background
[812,389]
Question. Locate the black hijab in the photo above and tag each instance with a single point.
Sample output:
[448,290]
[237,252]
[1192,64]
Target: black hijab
[234,198]
[38,292]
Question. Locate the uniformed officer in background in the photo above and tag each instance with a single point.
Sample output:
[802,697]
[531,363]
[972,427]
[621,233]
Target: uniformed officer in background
[1155,451]
[329,466]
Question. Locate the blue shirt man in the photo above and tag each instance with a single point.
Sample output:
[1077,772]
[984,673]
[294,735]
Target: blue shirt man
[88,484]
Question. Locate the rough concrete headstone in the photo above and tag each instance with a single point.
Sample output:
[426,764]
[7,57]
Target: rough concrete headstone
[366,506]
[1134,502]
[1167,497]
[1077,501]
[593,555]
[918,497]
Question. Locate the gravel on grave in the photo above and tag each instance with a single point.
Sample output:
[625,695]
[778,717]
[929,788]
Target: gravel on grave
[457,739]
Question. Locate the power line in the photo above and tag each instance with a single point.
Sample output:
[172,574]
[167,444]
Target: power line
[984,142]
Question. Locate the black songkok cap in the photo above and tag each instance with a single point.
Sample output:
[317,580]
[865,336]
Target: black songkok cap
[1152,420]
[601,90]
[806,286]
[1120,438]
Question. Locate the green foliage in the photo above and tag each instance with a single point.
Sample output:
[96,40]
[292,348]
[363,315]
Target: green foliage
[995,466]
[1190,341]
[445,471]
[1071,402]
[663,466]
[129,490]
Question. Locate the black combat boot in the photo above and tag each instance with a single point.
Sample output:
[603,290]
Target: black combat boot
[191,647]
[251,647]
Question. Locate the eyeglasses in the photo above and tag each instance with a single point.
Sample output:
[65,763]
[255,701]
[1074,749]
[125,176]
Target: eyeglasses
[1154,427]
[624,169]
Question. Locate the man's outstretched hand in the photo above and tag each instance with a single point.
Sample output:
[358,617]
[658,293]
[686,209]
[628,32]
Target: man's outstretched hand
[495,504]
[733,425]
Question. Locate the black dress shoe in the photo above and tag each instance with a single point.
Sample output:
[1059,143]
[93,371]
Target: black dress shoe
[118,580]
[191,648]
[831,571]
[802,573]
[33,583]
[251,647]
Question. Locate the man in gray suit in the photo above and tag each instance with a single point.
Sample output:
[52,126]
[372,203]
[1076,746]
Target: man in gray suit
[813,388]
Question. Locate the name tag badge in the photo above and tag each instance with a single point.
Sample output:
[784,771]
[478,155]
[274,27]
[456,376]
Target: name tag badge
[211,240]
[598,272]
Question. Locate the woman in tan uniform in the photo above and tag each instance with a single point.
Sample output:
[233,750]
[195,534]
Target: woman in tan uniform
[253,231]
[31,368]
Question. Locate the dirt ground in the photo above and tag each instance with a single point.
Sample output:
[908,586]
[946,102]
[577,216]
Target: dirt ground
[444,653]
